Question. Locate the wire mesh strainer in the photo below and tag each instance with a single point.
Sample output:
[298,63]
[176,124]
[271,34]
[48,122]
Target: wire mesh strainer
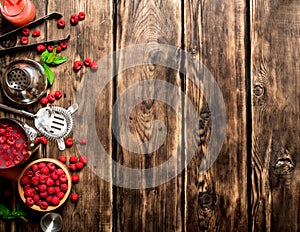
[54,122]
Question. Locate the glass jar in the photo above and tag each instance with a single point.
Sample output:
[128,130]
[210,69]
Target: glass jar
[18,12]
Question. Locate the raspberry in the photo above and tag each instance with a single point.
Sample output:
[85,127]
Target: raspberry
[60,195]
[83,159]
[87,62]
[29,192]
[8,164]
[44,194]
[64,187]
[25,180]
[69,142]
[74,197]
[40,48]
[51,190]
[79,165]
[57,182]
[29,173]
[77,65]
[49,199]
[94,66]
[54,175]
[75,178]
[37,140]
[45,170]
[42,179]
[42,164]
[44,140]
[56,189]
[10,141]
[58,94]
[44,205]
[36,198]
[51,166]
[63,44]
[62,159]
[17,160]
[42,188]
[26,31]
[82,141]
[81,16]
[63,178]
[60,172]
[24,40]
[36,33]
[35,167]
[50,49]
[35,181]
[73,159]
[58,49]
[72,167]
[50,182]
[51,97]
[29,201]
[74,19]
[44,100]
[55,201]
[61,23]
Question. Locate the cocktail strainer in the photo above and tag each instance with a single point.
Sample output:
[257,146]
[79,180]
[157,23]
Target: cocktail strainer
[24,81]
[54,122]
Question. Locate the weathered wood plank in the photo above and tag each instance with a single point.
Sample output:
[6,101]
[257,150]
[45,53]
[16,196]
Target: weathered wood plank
[157,208]
[216,200]
[275,98]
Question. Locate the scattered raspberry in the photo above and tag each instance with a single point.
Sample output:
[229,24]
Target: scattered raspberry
[51,97]
[58,49]
[50,48]
[82,141]
[87,62]
[44,140]
[75,178]
[72,167]
[40,48]
[58,94]
[26,31]
[79,165]
[61,23]
[69,142]
[36,33]
[94,66]
[81,16]
[74,19]
[73,159]
[24,40]
[62,159]
[74,197]
[77,65]
[63,44]
[44,101]
[83,159]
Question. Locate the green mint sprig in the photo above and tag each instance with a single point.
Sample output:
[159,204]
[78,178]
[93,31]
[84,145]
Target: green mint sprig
[51,59]
[5,213]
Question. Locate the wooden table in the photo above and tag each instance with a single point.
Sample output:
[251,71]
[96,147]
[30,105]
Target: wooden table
[251,48]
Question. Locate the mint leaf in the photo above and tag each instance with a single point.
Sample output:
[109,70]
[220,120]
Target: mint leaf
[49,73]
[59,60]
[45,56]
[4,211]
[16,213]
[51,57]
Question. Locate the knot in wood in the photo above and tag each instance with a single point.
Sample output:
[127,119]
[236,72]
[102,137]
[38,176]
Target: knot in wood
[258,90]
[283,165]
[206,201]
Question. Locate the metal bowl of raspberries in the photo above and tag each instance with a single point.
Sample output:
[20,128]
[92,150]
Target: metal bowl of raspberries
[45,184]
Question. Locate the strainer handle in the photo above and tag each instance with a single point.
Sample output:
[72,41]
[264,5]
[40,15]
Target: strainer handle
[13,110]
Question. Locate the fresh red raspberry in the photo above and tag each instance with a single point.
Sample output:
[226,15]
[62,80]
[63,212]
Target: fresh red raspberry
[73,159]
[35,167]
[60,195]
[61,23]
[57,94]
[42,188]
[57,182]
[26,31]
[42,179]
[43,194]
[29,192]
[29,173]
[60,172]
[82,141]
[72,167]
[62,159]
[36,33]
[74,19]
[35,181]
[75,178]
[64,187]
[51,166]
[55,201]
[79,165]
[44,140]
[25,180]
[44,101]
[57,189]
[83,159]
[50,49]
[58,49]
[69,142]
[94,66]
[63,44]
[49,182]
[87,62]
[40,48]
[37,140]
[81,16]
[49,199]
[77,65]
[45,170]
[63,178]
[44,205]
[29,201]
[24,40]
[17,160]
[10,141]
[37,173]
[36,198]
[42,164]
[8,164]
[51,190]
[51,97]
[74,197]
[54,175]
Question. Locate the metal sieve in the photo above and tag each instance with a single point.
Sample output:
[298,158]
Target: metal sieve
[24,81]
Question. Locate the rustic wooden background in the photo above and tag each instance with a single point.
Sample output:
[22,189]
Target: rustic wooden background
[252,49]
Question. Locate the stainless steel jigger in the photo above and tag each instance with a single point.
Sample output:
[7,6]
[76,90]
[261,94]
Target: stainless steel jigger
[51,222]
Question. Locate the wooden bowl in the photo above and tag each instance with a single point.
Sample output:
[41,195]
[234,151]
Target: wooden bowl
[60,165]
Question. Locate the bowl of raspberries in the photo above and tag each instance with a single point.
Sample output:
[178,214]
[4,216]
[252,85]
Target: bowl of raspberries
[44,184]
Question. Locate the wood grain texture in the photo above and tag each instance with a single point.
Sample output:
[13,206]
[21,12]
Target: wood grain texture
[158,208]
[275,98]
[216,200]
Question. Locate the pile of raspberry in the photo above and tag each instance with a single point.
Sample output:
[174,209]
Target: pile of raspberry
[44,185]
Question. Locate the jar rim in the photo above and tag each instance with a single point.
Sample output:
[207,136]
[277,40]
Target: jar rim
[4,11]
